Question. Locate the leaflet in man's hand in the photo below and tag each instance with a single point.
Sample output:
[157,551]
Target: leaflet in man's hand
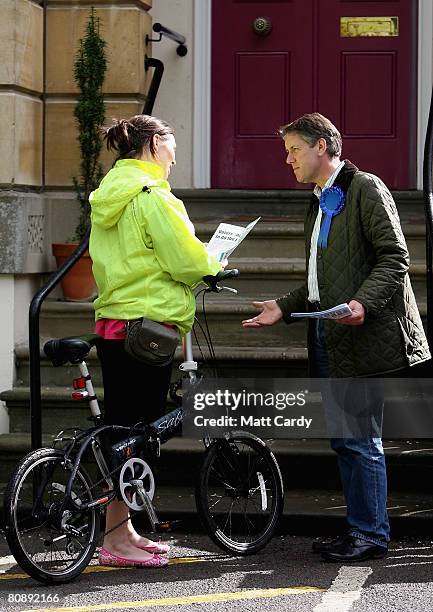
[337,312]
[226,238]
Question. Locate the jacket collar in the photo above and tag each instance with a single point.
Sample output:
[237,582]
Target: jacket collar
[150,168]
[345,176]
[342,180]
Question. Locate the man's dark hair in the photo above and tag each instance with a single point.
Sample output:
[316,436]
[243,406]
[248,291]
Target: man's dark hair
[313,126]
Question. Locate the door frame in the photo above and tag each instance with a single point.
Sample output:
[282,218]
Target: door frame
[201,117]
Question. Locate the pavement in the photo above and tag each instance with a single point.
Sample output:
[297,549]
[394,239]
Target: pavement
[285,576]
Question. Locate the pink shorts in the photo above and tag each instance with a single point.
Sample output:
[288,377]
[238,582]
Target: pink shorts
[114,329]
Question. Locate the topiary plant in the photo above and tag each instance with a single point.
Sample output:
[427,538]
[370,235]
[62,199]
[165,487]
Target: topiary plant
[89,72]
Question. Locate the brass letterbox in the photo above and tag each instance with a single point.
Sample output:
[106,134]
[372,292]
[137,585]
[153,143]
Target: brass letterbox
[368,26]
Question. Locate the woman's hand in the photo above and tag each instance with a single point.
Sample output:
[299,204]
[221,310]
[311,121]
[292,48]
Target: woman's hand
[270,314]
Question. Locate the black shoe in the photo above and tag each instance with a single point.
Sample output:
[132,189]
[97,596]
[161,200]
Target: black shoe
[355,549]
[322,547]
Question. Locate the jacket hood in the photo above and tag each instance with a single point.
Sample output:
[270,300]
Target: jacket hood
[119,186]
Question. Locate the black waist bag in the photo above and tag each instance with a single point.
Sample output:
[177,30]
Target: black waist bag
[151,342]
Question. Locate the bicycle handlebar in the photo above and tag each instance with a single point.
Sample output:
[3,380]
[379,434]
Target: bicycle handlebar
[212,281]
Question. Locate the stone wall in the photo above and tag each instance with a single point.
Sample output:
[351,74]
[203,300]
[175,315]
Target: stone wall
[38,140]
[124,28]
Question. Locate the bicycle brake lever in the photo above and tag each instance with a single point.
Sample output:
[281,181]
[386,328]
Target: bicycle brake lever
[229,289]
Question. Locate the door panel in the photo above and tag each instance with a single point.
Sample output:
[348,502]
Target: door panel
[253,90]
[368,72]
[365,84]
[255,109]
[367,87]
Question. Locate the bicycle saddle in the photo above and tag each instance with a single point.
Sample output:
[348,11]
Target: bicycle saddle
[73,349]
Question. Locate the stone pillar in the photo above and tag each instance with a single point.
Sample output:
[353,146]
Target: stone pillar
[124,28]
[34,97]
[22,218]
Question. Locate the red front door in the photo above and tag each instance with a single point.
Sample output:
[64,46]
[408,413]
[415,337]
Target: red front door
[365,85]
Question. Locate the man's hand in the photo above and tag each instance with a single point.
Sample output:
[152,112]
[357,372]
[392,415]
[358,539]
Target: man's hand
[356,318]
[270,314]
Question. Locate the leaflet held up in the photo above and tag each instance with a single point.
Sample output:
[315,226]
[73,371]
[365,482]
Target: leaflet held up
[227,238]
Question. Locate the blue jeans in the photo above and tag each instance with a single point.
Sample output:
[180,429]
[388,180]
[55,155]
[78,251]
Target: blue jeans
[362,468]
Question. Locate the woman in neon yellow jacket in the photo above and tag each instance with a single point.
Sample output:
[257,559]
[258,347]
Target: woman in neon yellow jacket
[146,258]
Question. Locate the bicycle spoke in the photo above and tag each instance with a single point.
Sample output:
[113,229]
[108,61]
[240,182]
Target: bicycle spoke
[39,543]
[240,518]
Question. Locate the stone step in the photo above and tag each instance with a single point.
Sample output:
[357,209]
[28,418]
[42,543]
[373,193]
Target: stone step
[232,205]
[258,360]
[59,411]
[224,317]
[306,465]
[281,347]
[407,411]
[259,280]
[312,512]
[285,238]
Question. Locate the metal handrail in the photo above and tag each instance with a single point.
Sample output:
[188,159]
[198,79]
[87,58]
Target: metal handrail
[34,348]
[152,62]
[180,39]
[428,211]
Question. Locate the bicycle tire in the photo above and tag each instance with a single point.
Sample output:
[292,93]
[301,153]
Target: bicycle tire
[239,493]
[30,528]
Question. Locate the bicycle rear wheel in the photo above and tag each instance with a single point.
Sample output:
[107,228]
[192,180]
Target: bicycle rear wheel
[50,545]
[239,494]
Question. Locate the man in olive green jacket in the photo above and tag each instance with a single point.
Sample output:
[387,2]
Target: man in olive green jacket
[355,253]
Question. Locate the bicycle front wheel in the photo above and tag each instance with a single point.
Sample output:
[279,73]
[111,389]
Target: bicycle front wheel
[51,545]
[239,494]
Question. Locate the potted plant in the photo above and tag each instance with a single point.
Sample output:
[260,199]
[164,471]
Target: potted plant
[89,73]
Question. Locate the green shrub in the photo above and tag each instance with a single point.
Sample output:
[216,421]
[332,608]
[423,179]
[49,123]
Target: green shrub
[89,72]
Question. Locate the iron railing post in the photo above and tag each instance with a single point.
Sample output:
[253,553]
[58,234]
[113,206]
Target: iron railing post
[428,210]
[34,348]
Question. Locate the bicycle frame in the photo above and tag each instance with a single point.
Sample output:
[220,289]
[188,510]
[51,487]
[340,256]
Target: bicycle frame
[159,431]
[156,433]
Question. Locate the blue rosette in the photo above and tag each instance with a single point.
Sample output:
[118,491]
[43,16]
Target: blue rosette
[332,203]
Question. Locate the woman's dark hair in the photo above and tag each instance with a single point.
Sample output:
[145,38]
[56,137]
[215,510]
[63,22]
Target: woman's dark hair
[313,126]
[130,137]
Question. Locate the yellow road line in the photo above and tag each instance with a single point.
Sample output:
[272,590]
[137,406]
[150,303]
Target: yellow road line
[94,569]
[189,599]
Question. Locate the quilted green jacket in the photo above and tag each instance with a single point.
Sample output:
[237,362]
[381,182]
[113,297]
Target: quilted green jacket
[366,260]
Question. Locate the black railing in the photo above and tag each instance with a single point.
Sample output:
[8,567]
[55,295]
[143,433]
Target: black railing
[151,62]
[180,39]
[428,210]
[34,348]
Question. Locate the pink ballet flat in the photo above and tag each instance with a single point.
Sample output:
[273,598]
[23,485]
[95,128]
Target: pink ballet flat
[157,548]
[107,558]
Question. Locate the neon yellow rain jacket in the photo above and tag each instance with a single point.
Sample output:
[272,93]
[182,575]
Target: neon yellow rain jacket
[145,255]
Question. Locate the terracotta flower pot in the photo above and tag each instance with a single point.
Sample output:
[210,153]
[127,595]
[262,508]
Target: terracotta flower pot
[78,284]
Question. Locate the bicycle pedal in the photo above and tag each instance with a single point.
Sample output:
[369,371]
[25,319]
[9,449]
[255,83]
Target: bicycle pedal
[164,526]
